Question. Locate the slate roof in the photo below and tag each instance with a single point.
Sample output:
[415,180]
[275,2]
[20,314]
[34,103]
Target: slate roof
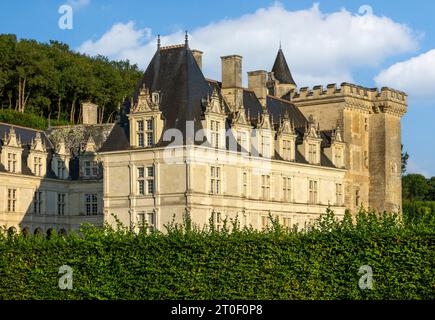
[281,70]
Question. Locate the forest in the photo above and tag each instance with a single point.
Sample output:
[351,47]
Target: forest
[51,81]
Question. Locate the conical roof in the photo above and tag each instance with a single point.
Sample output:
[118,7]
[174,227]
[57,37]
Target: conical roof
[281,70]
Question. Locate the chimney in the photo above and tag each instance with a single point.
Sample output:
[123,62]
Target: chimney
[257,82]
[198,57]
[231,71]
[90,113]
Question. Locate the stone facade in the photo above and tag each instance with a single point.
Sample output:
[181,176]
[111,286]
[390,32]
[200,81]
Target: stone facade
[214,149]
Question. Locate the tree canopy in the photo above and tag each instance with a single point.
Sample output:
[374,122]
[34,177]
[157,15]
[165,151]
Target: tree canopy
[417,187]
[51,80]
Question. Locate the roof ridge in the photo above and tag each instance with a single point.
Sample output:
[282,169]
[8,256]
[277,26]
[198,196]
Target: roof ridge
[22,127]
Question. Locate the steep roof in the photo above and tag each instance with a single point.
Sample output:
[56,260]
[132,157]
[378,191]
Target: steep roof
[26,135]
[281,70]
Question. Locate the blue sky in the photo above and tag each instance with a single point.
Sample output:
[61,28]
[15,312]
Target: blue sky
[323,43]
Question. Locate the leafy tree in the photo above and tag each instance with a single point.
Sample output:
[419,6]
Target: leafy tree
[405,157]
[415,187]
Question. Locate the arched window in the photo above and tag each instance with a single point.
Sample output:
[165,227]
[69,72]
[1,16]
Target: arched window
[63,233]
[12,231]
[49,233]
[25,232]
[38,232]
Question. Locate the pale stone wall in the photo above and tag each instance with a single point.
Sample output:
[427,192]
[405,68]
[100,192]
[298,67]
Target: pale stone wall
[183,182]
[24,215]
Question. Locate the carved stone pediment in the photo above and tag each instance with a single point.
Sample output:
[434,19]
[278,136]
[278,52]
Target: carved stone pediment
[311,131]
[147,101]
[11,139]
[213,103]
[37,143]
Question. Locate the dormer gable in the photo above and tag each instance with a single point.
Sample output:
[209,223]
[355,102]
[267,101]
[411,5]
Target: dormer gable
[146,101]
[37,144]
[213,104]
[11,139]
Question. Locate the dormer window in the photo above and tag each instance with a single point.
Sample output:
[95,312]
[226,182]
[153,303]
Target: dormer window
[338,157]
[287,149]
[155,97]
[265,146]
[312,153]
[214,133]
[150,133]
[12,162]
[91,169]
[140,133]
[37,166]
[60,169]
[242,140]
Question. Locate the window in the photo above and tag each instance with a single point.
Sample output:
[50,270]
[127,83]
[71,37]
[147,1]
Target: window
[286,222]
[215,180]
[265,187]
[150,180]
[150,133]
[339,157]
[286,189]
[217,220]
[338,194]
[60,169]
[264,222]
[91,168]
[12,162]
[265,146]
[37,202]
[12,200]
[366,124]
[141,181]
[357,198]
[242,140]
[91,203]
[244,184]
[312,153]
[37,166]
[313,192]
[140,134]
[61,204]
[214,133]
[286,150]
[147,220]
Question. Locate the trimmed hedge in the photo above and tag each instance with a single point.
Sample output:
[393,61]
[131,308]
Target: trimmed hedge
[320,262]
[27,119]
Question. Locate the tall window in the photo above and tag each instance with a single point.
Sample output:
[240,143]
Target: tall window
[12,162]
[147,220]
[242,140]
[91,204]
[37,166]
[286,188]
[338,157]
[312,153]
[244,184]
[141,181]
[286,222]
[357,198]
[217,220]
[287,149]
[61,204]
[215,180]
[150,180]
[37,202]
[265,187]
[264,222]
[60,169]
[150,133]
[265,146]
[12,200]
[140,133]
[214,133]
[339,194]
[313,191]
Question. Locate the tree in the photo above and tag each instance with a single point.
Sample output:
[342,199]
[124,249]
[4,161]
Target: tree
[415,187]
[405,157]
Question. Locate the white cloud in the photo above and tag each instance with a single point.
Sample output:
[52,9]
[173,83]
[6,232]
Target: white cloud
[415,76]
[78,3]
[320,48]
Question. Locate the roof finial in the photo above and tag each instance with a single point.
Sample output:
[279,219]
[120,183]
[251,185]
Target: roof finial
[186,39]
[280,47]
[158,41]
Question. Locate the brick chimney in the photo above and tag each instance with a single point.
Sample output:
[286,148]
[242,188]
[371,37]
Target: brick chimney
[232,88]
[198,57]
[257,82]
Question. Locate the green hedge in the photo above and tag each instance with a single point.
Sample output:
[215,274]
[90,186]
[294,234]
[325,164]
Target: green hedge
[27,119]
[186,263]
